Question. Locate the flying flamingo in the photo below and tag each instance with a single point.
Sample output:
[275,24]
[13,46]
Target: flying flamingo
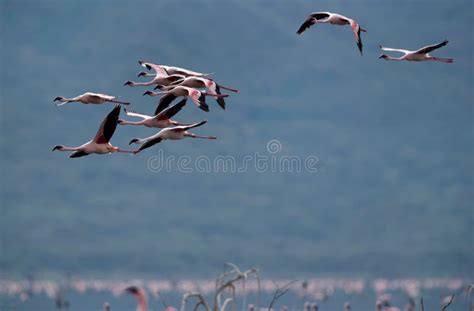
[140,296]
[173,133]
[418,55]
[334,19]
[157,80]
[170,70]
[100,143]
[89,98]
[161,119]
[200,82]
[198,97]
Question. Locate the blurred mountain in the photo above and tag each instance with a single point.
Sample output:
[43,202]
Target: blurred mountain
[393,192]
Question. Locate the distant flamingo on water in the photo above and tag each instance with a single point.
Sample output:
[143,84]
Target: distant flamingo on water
[334,19]
[418,55]
[161,119]
[172,133]
[140,296]
[100,143]
[90,98]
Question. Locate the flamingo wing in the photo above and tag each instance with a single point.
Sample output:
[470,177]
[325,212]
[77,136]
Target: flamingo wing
[311,20]
[159,70]
[219,100]
[150,143]
[78,154]
[320,15]
[99,96]
[108,126]
[188,127]
[135,114]
[175,79]
[383,48]
[430,48]
[358,38]
[168,113]
[165,101]
[199,99]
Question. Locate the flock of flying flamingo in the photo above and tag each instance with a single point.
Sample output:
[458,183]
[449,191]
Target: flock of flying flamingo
[174,82]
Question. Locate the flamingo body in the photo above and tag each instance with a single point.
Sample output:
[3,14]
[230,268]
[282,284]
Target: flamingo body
[100,143]
[419,55]
[334,19]
[89,98]
[170,133]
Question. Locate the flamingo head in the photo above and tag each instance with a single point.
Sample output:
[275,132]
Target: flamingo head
[132,290]
[148,93]
[59,98]
[134,141]
[142,74]
[383,56]
[58,147]
[128,83]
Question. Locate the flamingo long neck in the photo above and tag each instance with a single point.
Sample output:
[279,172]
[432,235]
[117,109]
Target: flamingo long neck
[142,301]
[395,58]
[67,100]
[142,83]
[124,151]
[69,148]
[139,141]
[64,101]
[125,122]
[162,92]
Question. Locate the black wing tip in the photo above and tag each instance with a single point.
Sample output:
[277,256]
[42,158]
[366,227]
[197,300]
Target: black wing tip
[301,29]
[182,102]
[204,107]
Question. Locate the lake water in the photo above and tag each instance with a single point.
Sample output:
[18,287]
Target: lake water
[330,294]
